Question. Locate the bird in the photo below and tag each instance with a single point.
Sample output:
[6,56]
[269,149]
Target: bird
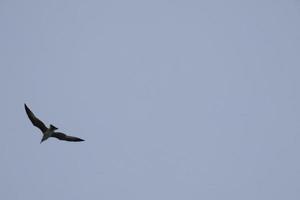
[51,131]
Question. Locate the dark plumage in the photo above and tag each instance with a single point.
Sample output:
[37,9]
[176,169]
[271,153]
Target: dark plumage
[49,132]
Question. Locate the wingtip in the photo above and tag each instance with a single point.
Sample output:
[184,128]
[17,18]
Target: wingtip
[80,140]
[26,108]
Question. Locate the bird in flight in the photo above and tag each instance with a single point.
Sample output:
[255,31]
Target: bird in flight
[49,132]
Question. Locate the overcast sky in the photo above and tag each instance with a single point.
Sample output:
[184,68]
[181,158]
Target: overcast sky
[175,99]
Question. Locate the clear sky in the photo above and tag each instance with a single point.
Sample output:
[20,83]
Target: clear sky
[175,99]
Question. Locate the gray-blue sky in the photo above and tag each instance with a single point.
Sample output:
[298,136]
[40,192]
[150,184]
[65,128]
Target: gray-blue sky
[176,99]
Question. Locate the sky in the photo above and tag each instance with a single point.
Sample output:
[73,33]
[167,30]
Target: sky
[175,99]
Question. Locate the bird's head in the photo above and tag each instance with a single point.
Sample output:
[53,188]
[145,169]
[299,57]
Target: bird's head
[53,127]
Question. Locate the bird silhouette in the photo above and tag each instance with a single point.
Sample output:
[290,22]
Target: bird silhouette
[49,132]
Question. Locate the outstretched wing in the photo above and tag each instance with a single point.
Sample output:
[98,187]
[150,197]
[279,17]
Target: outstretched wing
[35,121]
[62,136]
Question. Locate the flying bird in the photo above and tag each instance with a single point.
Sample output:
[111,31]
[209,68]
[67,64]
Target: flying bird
[49,132]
